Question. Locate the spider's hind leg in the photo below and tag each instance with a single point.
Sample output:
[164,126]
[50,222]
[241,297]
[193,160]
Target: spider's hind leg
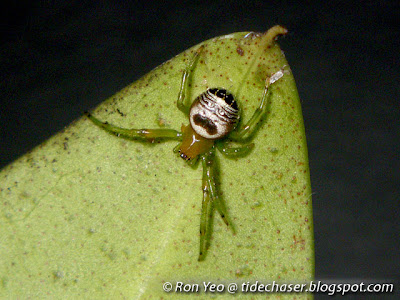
[141,134]
[211,199]
[233,152]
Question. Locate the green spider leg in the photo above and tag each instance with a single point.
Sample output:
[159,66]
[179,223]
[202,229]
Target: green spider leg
[211,199]
[246,132]
[153,134]
[185,82]
[233,152]
[149,135]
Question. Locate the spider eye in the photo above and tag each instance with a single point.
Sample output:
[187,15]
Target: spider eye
[225,95]
[221,94]
[213,91]
[233,104]
[229,100]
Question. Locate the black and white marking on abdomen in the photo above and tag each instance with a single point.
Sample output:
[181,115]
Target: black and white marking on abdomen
[214,114]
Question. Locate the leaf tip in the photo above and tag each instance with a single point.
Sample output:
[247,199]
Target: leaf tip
[272,34]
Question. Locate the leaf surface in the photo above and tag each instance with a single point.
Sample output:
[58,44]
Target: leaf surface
[90,215]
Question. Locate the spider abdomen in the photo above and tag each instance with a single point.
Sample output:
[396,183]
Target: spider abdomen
[214,114]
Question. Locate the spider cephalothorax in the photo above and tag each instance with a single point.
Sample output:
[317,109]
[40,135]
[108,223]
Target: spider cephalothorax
[213,116]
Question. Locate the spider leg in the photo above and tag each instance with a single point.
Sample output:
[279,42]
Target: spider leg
[210,196]
[205,216]
[144,134]
[233,152]
[185,82]
[246,131]
[177,147]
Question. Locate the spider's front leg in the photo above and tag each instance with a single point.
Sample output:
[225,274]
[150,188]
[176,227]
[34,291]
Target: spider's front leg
[211,199]
[185,82]
[142,134]
[246,132]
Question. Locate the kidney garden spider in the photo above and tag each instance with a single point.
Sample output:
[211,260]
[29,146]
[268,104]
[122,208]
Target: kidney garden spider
[214,116]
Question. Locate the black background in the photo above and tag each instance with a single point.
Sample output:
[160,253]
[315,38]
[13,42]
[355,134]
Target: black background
[58,59]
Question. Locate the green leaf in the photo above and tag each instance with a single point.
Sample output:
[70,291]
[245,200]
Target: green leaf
[87,214]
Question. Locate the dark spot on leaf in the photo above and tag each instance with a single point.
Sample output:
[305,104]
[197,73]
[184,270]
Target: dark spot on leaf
[240,51]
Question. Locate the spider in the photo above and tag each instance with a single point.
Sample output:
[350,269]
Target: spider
[213,118]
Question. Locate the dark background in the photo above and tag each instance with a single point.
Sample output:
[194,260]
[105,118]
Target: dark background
[58,59]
